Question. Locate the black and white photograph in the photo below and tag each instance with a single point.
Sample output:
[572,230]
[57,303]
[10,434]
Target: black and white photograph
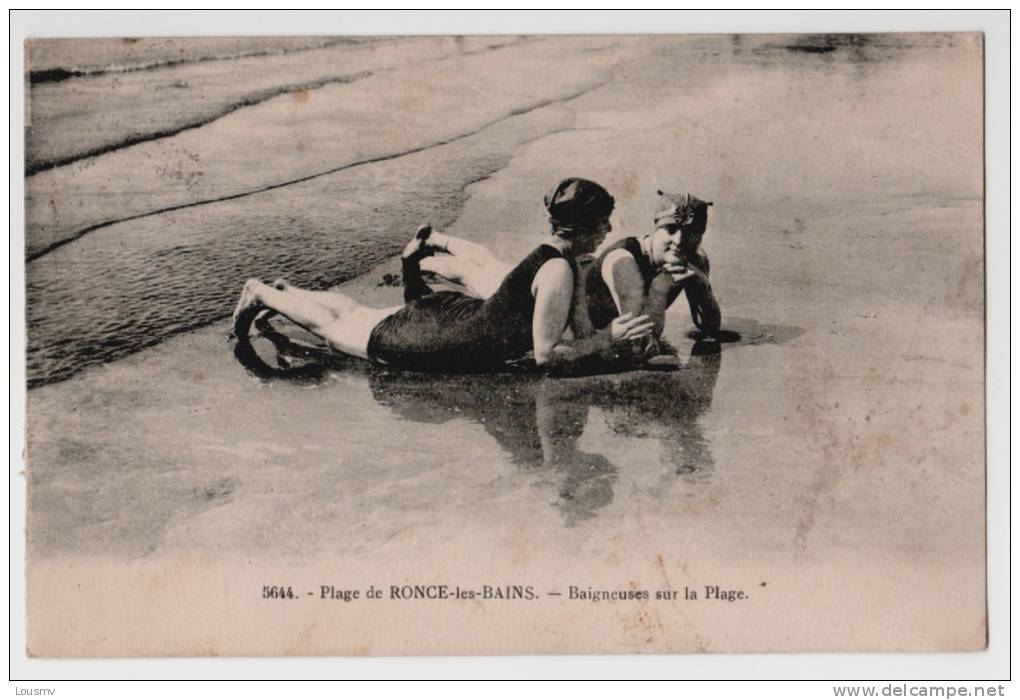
[504,344]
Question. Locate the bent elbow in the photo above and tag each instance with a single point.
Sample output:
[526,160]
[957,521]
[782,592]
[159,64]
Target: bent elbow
[547,353]
[543,357]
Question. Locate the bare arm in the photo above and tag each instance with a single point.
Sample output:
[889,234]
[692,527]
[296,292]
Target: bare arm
[691,278]
[700,260]
[623,277]
[553,289]
[705,310]
[662,292]
[627,285]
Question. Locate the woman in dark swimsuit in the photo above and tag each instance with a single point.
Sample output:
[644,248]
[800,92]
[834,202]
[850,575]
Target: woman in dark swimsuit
[633,275]
[449,331]
[646,275]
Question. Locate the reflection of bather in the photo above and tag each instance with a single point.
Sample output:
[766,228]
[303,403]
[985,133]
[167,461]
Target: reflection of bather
[668,407]
[537,421]
[584,480]
[503,404]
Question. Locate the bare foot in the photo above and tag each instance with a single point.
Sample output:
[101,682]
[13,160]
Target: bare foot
[249,296]
[418,247]
[247,307]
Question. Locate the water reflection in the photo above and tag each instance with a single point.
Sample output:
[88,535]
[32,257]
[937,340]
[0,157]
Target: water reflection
[667,408]
[536,420]
[561,437]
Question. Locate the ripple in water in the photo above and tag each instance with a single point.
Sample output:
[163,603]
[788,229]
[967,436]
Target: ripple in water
[133,284]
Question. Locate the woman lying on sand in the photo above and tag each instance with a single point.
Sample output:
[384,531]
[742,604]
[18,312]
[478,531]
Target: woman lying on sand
[632,276]
[646,275]
[454,332]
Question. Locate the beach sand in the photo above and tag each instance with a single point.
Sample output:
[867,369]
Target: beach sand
[828,463]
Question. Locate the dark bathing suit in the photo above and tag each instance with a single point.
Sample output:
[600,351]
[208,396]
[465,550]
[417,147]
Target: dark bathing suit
[601,307]
[453,332]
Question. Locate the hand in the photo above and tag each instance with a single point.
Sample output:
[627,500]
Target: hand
[630,327]
[682,272]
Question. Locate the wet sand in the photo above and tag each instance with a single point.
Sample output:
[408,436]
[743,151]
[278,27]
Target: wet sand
[828,462]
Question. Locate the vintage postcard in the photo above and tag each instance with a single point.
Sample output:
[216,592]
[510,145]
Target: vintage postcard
[410,345]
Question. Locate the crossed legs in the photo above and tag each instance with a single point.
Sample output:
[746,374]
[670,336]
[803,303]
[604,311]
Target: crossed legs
[466,263]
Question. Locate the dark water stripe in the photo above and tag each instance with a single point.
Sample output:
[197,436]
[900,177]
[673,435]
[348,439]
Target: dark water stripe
[61,73]
[366,161]
[36,166]
[56,75]
[520,40]
[33,168]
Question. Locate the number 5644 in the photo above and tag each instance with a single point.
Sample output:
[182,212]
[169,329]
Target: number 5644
[277,592]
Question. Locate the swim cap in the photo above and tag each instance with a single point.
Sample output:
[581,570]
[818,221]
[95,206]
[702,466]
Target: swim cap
[682,209]
[577,202]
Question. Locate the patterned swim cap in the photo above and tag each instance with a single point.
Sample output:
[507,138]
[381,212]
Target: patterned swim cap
[681,209]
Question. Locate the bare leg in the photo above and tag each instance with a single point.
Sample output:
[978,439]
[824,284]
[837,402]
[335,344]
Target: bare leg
[338,319]
[466,263]
[467,250]
[334,301]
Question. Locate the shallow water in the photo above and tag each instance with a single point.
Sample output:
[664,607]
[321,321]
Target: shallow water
[828,457]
